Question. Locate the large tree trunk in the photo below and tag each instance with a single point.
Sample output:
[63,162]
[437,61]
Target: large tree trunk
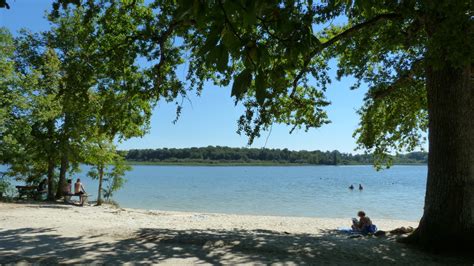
[448,219]
[64,149]
[51,166]
[51,161]
[101,177]
[62,174]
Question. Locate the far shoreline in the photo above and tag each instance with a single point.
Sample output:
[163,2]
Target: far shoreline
[252,164]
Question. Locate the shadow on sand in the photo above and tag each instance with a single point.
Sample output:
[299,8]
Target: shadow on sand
[45,246]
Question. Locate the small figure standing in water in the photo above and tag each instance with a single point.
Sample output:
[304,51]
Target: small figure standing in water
[360,187]
[351,187]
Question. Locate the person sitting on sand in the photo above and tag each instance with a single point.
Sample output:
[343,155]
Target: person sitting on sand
[79,190]
[351,187]
[42,186]
[364,225]
[360,187]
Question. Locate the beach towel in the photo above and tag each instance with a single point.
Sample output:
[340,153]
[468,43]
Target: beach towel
[348,230]
[370,229]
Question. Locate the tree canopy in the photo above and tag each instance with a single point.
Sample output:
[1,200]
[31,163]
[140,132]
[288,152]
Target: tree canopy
[276,56]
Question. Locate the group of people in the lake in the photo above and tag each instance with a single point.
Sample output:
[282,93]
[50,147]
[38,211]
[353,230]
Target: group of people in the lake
[351,187]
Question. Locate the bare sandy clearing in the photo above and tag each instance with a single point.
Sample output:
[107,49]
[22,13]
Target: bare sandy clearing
[50,233]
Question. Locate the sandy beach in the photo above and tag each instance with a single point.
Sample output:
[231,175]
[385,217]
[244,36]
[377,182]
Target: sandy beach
[55,233]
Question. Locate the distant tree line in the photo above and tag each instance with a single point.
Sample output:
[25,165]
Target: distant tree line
[220,154]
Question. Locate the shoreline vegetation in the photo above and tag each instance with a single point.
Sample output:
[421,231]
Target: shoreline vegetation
[228,156]
[226,163]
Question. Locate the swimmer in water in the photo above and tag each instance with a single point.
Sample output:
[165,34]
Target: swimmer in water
[360,187]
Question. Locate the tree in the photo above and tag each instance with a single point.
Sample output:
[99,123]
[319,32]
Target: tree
[30,111]
[107,166]
[45,112]
[9,97]
[52,112]
[99,75]
[115,177]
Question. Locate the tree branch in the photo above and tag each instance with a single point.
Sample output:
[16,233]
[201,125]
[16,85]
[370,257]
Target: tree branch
[227,21]
[345,34]
[351,31]
[403,78]
[267,30]
[162,41]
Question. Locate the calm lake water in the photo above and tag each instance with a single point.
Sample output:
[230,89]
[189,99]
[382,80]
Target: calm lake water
[313,191]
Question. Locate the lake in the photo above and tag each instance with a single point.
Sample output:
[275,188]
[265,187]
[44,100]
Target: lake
[312,191]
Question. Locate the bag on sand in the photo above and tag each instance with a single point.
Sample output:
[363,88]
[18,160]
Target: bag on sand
[370,229]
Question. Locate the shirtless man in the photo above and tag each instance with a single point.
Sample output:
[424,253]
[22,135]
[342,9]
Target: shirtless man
[79,190]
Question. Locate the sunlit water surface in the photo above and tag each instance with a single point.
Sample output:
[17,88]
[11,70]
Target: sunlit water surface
[313,191]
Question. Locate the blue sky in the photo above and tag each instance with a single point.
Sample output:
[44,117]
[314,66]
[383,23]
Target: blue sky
[211,119]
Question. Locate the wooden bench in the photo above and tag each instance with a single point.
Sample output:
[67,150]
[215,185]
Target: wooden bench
[67,198]
[29,192]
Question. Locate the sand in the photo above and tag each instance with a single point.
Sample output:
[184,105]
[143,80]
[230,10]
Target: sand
[56,233]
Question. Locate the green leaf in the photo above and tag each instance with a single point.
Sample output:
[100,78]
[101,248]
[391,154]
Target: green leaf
[223,58]
[253,54]
[250,16]
[213,56]
[260,88]
[241,83]
[196,8]
[185,8]
[210,42]
[229,39]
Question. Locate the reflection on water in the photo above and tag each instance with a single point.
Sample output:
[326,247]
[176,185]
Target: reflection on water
[317,191]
